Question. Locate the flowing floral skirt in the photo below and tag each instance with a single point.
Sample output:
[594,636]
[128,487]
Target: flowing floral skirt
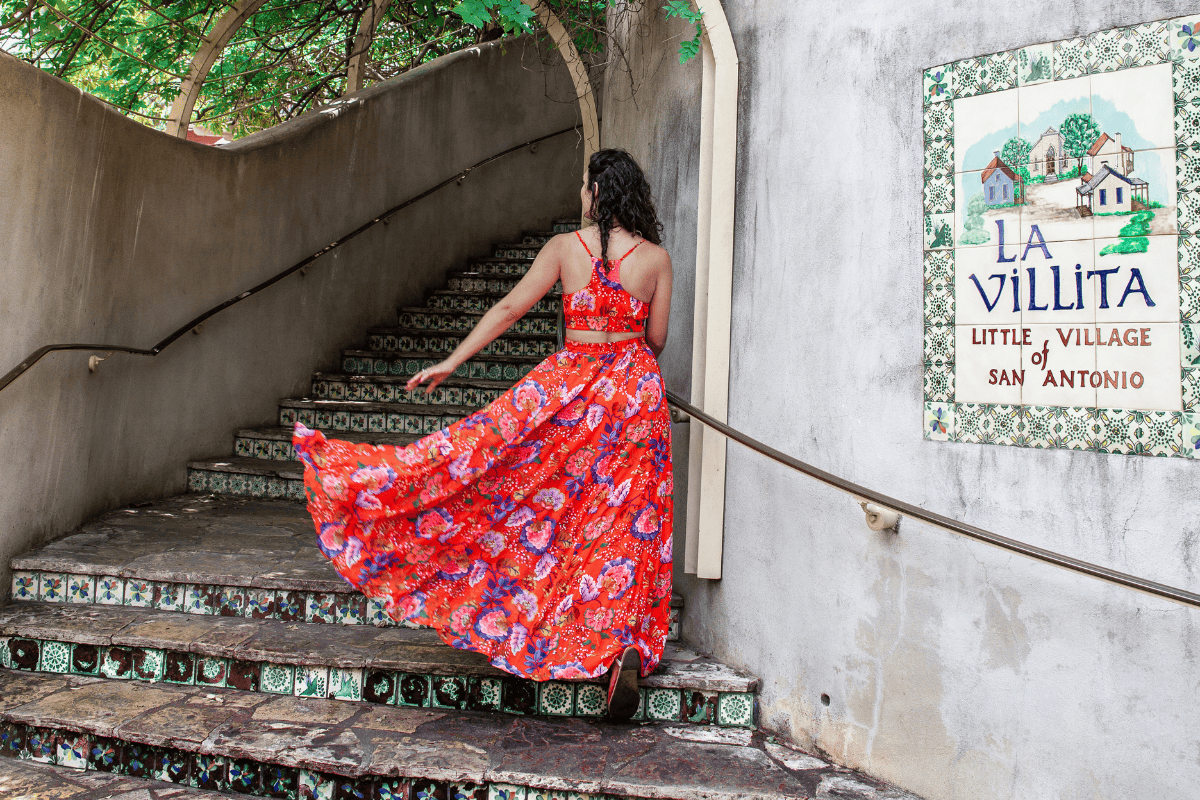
[536,531]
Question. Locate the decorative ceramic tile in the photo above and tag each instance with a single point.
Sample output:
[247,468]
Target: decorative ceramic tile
[321,608]
[449,691]
[376,613]
[260,604]
[939,231]
[168,596]
[485,695]
[41,746]
[278,678]
[55,657]
[663,704]
[52,588]
[468,791]
[939,421]
[73,750]
[557,699]
[736,709]
[1035,64]
[230,601]
[350,609]
[1190,434]
[1183,38]
[211,671]
[1152,433]
[81,589]
[1191,389]
[110,591]
[208,773]
[24,585]
[939,194]
[504,791]
[1072,58]
[198,599]
[700,707]
[345,684]
[311,682]
[939,84]
[315,786]
[85,659]
[24,653]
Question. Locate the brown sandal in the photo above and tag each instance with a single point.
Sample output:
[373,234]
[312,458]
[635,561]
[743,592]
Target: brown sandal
[623,694]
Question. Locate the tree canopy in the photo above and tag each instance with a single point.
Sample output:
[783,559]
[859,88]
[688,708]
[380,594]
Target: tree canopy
[289,57]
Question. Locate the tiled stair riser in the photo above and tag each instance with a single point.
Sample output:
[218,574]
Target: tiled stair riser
[349,608]
[421,319]
[505,346]
[500,268]
[239,484]
[506,695]
[460,301]
[221,773]
[466,282]
[367,391]
[481,369]
[362,422]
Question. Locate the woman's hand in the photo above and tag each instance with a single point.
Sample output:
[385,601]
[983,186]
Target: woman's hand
[435,375]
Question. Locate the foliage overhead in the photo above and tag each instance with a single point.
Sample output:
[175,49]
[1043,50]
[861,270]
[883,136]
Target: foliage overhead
[291,56]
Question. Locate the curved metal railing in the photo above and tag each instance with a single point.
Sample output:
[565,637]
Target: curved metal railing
[862,494]
[41,352]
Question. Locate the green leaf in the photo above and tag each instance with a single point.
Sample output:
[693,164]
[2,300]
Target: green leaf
[689,49]
[473,12]
[682,8]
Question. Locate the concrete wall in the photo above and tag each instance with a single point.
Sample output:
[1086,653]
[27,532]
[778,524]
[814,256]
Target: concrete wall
[115,233]
[952,669]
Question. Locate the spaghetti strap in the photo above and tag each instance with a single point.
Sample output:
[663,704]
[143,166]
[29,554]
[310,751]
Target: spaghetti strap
[635,247]
[585,247]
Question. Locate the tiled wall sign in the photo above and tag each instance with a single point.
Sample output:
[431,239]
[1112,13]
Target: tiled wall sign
[1061,266]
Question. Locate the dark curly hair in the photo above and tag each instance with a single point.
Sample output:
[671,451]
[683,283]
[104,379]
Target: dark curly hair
[622,196]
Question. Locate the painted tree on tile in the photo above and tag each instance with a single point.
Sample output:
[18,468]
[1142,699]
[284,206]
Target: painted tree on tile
[1079,131]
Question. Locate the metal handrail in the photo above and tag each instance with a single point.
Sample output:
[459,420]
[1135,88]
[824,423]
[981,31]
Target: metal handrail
[862,494]
[38,354]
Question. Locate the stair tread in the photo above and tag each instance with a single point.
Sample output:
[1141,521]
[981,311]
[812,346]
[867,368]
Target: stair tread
[225,541]
[411,650]
[250,466]
[352,740]
[281,433]
[28,779]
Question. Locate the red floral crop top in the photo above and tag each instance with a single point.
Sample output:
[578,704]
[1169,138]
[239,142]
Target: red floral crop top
[604,305]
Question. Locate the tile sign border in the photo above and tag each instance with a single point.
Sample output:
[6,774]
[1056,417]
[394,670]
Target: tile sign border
[1105,430]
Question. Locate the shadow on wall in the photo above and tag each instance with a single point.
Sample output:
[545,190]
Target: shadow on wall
[114,232]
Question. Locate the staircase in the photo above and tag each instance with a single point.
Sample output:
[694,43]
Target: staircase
[202,644]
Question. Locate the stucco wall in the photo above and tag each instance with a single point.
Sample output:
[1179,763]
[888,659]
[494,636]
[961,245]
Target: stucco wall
[952,669]
[112,232]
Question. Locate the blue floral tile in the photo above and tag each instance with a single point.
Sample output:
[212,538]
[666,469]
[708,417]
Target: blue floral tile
[505,791]
[41,745]
[315,786]
[81,589]
[1183,38]
[169,596]
[139,593]
[73,750]
[939,84]
[939,421]
[25,585]
[350,609]
[110,590]
[376,613]
[261,604]
[198,598]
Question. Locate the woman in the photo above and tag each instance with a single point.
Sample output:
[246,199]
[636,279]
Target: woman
[536,531]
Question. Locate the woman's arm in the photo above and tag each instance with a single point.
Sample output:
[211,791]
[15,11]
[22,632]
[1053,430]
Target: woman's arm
[540,278]
[660,309]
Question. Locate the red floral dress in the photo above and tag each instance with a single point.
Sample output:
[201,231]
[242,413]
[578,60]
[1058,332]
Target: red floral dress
[536,531]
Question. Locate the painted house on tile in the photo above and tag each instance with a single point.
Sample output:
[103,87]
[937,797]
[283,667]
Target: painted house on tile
[1108,149]
[1047,158]
[1110,192]
[1000,184]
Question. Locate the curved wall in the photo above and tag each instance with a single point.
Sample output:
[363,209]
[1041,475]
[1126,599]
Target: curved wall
[116,233]
[953,669]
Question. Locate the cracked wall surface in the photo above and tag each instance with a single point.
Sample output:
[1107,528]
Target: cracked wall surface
[952,669]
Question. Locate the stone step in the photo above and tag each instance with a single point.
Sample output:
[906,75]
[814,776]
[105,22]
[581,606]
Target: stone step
[192,554]
[433,319]
[465,281]
[445,299]
[389,389]
[515,251]
[536,345]
[275,444]
[492,368]
[24,778]
[389,666]
[240,476]
[298,748]
[496,267]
